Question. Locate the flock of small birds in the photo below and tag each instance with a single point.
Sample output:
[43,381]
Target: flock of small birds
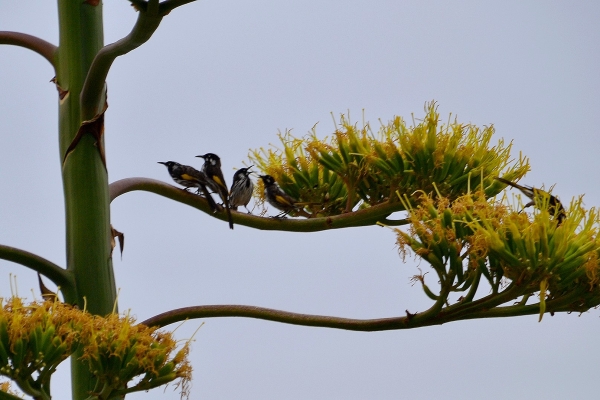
[210,179]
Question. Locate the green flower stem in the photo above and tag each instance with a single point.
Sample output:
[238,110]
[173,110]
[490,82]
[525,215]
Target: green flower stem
[473,289]
[8,396]
[561,304]
[164,7]
[40,46]
[85,180]
[438,305]
[366,217]
[488,302]
[56,274]
[150,14]
[94,86]
[25,386]
[363,325]
[212,311]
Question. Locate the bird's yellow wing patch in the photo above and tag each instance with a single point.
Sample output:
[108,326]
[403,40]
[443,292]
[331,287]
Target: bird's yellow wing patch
[219,181]
[283,200]
[188,177]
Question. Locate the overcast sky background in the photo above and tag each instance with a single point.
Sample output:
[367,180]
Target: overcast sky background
[224,77]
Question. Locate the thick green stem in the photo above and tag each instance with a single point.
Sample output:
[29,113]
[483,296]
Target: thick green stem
[85,179]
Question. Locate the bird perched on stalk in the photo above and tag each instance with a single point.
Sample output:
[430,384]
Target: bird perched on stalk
[241,189]
[538,197]
[216,181]
[190,177]
[278,198]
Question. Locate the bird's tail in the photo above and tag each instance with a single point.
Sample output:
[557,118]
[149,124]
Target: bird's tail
[526,190]
[229,217]
[209,199]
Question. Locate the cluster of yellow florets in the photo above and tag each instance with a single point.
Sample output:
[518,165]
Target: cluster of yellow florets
[356,167]
[535,252]
[35,338]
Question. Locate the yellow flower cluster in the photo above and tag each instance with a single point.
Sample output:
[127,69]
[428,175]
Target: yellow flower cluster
[357,168]
[561,260]
[35,338]
[528,253]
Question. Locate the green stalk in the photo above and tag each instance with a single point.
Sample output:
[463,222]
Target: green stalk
[85,180]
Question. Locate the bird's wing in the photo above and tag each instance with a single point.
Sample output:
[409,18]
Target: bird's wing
[284,200]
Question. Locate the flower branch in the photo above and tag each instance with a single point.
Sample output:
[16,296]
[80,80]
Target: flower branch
[56,274]
[149,18]
[366,217]
[363,325]
[40,46]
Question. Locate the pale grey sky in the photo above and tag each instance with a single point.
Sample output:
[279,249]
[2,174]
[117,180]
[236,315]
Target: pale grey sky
[224,77]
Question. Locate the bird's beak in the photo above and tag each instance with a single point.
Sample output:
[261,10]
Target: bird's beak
[200,156]
[163,163]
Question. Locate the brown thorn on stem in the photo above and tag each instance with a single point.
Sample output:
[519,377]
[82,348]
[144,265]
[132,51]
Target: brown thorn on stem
[120,236]
[62,93]
[47,294]
[94,127]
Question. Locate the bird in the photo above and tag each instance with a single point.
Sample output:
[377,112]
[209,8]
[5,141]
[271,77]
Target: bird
[241,189]
[190,177]
[216,181]
[277,197]
[538,197]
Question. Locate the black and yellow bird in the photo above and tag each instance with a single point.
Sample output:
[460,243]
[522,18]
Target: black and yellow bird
[216,181]
[277,197]
[539,197]
[241,189]
[190,177]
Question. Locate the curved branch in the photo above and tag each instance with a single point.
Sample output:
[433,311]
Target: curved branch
[60,276]
[269,314]
[149,18]
[8,396]
[366,217]
[487,303]
[168,5]
[164,8]
[363,325]
[40,46]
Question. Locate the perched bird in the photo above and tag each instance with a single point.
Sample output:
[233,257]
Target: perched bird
[538,197]
[216,181]
[277,197]
[241,189]
[190,177]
